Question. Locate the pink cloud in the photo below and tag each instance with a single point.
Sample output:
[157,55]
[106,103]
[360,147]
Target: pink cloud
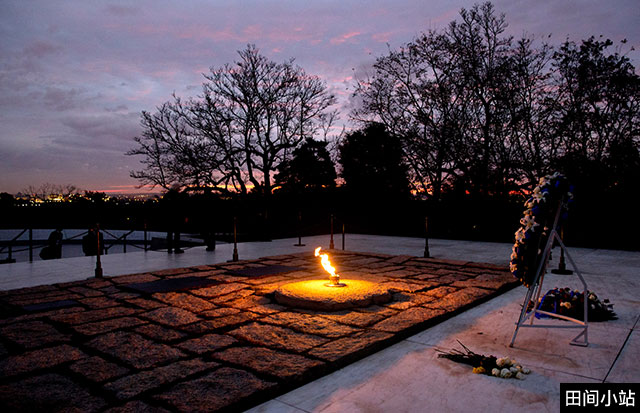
[344,37]
[382,37]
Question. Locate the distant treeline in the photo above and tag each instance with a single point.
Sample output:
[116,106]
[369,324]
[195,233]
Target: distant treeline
[600,223]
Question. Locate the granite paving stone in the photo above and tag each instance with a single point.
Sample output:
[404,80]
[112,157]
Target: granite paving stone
[184,301]
[146,303]
[257,304]
[92,315]
[32,334]
[274,336]
[219,290]
[309,324]
[98,369]
[39,359]
[48,393]
[275,363]
[99,327]
[220,312]
[357,318]
[409,319]
[352,346]
[159,333]
[134,349]
[171,316]
[131,386]
[219,389]
[227,346]
[99,302]
[207,343]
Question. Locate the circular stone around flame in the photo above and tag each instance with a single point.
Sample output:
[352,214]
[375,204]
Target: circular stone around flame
[315,295]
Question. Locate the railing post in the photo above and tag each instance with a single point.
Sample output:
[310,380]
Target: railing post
[124,244]
[426,238]
[562,266]
[331,246]
[145,236]
[98,271]
[30,245]
[343,236]
[299,244]
[10,258]
[235,240]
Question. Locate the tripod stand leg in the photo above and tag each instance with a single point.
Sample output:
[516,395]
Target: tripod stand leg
[521,320]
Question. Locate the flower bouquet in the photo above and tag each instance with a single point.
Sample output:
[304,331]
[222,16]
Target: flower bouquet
[503,367]
[565,302]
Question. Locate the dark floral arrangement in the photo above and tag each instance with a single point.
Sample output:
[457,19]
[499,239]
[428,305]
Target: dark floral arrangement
[537,219]
[564,301]
[503,367]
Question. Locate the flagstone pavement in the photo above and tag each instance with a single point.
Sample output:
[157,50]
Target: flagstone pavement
[105,345]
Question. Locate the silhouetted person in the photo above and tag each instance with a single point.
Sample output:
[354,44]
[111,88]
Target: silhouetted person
[53,249]
[90,243]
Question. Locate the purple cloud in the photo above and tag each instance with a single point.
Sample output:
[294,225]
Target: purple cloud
[75,75]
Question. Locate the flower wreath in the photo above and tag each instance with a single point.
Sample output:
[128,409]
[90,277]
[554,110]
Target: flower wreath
[570,303]
[535,225]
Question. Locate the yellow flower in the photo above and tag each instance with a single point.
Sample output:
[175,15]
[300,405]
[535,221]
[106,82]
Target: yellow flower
[479,370]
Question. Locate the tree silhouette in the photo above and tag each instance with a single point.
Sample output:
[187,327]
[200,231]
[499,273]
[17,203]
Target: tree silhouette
[251,116]
[310,169]
[372,163]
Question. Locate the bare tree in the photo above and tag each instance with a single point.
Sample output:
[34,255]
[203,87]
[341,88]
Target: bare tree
[250,117]
[532,102]
[270,108]
[412,94]
[599,94]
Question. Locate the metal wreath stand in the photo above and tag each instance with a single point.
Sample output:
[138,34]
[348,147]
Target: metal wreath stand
[536,288]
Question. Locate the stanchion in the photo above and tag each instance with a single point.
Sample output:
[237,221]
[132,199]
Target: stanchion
[331,246]
[426,238]
[343,236]
[562,266]
[235,240]
[98,271]
[145,236]
[30,245]
[299,244]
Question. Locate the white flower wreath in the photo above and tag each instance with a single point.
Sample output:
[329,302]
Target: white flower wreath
[541,207]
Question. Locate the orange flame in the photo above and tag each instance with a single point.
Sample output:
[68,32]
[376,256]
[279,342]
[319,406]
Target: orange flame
[326,264]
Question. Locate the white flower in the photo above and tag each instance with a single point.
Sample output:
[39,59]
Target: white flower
[537,194]
[500,362]
[529,222]
[525,220]
[495,372]
[519,376]
[513,370]
[505,373]
[526,370]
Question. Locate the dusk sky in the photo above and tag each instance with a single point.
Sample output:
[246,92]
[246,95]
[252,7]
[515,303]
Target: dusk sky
[75,75]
